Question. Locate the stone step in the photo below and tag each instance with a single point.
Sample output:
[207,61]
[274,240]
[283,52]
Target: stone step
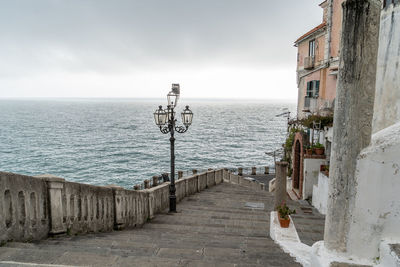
[212,228]
[224,223]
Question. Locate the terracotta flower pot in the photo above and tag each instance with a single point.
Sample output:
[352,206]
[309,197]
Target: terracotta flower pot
[319,151]
[309,151]
[284,222]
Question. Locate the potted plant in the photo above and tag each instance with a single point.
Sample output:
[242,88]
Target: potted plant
[283,215]
[319,149]
[309,150]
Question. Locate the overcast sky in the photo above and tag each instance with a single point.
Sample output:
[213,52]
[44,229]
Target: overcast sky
[118,48]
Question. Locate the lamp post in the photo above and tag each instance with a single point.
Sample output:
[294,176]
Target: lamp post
[165,119]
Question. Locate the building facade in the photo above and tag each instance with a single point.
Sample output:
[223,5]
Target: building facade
[318,62]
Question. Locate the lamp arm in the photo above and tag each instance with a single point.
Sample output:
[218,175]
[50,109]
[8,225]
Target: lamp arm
[181,129]
[165,129]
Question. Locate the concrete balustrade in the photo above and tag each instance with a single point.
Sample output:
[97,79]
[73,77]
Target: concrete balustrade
[23,207]
[31,208]
[155,180]
[253,171]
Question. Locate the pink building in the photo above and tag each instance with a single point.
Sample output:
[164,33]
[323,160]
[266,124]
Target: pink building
[317,62]
[317,69]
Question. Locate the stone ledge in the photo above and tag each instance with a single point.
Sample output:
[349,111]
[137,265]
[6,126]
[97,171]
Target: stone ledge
[288,240]
[50,178]
[321,257]
[314,156]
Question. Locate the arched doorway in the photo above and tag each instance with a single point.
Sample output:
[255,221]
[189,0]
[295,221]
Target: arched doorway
[296,165]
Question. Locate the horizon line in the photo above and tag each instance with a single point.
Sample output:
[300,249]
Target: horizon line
[142,98]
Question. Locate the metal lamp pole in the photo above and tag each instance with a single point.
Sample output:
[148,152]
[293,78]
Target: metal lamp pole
[172,189]
[165,119]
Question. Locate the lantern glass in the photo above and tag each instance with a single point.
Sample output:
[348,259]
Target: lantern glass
[172,99]
[160,117]
[169,114]
[187,117]
[173,95]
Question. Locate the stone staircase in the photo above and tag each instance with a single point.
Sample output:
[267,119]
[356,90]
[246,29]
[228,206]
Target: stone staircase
[226,225]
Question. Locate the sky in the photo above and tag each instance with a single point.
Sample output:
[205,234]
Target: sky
[137,49]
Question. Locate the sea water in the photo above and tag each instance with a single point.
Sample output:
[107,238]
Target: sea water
[113,141]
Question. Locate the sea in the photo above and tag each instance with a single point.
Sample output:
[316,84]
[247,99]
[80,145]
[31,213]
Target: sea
[115,141]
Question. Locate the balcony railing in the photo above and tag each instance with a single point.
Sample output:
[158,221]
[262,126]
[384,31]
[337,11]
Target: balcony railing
[310,104]
[309,63]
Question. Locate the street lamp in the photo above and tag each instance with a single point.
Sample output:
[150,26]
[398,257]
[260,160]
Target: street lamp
[165,119]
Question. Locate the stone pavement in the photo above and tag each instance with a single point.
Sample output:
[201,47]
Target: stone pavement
[262,178]
[309,222]
[226,225]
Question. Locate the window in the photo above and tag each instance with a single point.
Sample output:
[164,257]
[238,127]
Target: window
[313,89]
[311,48]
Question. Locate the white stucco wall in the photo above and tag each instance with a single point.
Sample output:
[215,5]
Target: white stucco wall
[320,193]
[311,169]
[387,96]
[376,213]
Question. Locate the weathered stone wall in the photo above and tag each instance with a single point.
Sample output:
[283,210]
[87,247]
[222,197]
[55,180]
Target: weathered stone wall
[243,181]
[210,179]
[87,208]
[192,184]
[131,207]
[31,208]
[353,113]
[375,216]
[180,189]
[202,181]
[23,207]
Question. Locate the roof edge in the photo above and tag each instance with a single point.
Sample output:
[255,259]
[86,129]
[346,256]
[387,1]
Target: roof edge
[319,27]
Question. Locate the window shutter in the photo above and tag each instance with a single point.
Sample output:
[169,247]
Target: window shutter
[309,89]
[316,89]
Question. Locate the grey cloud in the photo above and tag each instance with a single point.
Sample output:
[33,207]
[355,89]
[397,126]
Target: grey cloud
[112,36]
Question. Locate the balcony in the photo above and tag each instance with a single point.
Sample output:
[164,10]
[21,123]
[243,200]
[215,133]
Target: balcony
[309,63]
[310,104]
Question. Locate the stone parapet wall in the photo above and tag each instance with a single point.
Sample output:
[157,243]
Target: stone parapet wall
[87,208]
[31,208]
[23,207]
[242,181]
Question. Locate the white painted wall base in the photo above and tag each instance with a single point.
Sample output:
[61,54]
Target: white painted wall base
[320,257]
[288,240]
[375,215]
[320,194]
[388,257]
[310,174]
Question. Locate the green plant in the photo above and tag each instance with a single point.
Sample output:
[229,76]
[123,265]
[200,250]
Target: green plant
[325,121]
[290,139]
[284,211]
[319,145]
